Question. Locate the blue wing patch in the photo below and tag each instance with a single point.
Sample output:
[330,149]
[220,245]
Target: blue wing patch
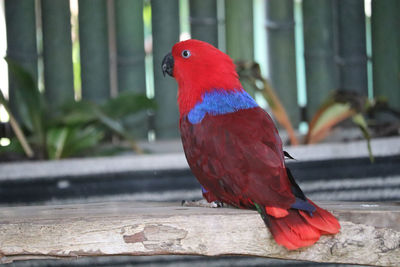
[218,102]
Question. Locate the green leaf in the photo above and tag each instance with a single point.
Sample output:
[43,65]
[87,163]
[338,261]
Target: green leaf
[72,141]
[81,140]
[13,147]
[127,103]
[85,113]
[79,126]
[327,116]
[3,100]
[117,127]
[75,113]
[30,104]
[112,124]
[17,128]
[360,121]
[56,141]
[331,113]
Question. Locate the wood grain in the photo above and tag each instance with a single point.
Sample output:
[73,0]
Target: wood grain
[370,232]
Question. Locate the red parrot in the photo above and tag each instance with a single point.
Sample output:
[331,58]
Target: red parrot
[233,147]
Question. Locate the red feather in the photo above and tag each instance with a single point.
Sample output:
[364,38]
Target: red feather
[240,161]
[322,219]
[293,231]
[276,212]
[299,229]
[238,156]
[206,68]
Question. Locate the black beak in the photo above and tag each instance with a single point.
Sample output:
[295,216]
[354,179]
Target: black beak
[167,65]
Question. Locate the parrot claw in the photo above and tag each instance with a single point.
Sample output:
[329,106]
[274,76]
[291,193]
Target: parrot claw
[202,203]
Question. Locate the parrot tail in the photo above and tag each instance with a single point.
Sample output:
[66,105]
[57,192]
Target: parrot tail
[300,228]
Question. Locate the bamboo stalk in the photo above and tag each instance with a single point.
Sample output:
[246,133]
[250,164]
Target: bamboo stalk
[165,27]
[93,39]
[321,71]
[282,54]
[21,41]
[386,50]
[239,32]
[131,58]
[203,21]
[352,58]
[57,52]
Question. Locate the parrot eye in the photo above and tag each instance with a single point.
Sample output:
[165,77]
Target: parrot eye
[186,53]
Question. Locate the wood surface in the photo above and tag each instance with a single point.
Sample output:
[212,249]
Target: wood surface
[370,232]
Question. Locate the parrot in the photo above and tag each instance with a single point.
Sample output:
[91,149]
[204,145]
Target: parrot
[233,147]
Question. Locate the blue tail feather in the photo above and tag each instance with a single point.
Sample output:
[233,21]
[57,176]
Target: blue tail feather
[303,205]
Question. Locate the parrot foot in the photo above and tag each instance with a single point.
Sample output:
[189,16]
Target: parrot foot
[202,203]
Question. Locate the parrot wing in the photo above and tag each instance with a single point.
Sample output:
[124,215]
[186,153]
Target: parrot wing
[238,157]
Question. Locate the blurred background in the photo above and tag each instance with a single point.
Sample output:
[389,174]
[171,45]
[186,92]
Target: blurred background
[82,78]
[90,70]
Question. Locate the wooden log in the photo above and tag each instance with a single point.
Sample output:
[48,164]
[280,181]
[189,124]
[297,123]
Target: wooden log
[370,232]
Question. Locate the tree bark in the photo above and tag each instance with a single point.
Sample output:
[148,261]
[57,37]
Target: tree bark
[370,232]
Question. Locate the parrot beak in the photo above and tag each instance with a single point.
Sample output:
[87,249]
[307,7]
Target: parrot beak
[167,65]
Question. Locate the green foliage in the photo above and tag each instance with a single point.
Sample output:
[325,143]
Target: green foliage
[360,121]
[333,111]
[31,107]
[66,141]
[340,106]
[127,103]
[14,147]
[77,128]
[373,117]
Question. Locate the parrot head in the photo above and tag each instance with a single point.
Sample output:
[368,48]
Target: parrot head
[199,67]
